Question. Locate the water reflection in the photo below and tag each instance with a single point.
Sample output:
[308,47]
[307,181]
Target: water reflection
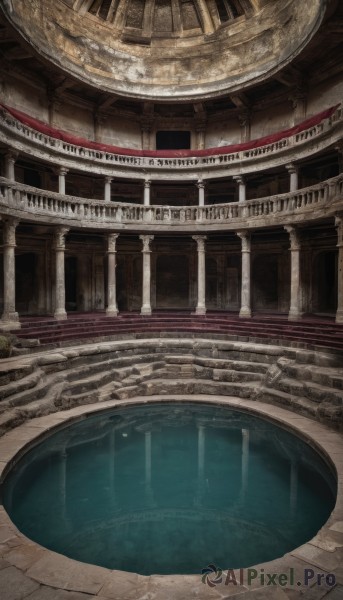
[170,488]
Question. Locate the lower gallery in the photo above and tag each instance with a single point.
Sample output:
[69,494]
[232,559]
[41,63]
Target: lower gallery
[171,203]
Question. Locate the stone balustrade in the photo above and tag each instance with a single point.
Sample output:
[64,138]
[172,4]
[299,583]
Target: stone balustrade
[24,138]
[28,203]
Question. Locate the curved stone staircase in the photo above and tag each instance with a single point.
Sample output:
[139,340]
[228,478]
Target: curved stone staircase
[305,381]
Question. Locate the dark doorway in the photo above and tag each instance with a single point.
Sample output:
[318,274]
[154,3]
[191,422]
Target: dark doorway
[25,283]
[265,282]
[325,274]
[173,140]
[70,283]
[172,282]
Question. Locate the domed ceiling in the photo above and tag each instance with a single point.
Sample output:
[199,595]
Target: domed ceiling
[166,17]
[167,50]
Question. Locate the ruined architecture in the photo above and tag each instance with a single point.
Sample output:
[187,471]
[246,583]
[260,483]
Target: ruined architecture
[171,204]
[199,141]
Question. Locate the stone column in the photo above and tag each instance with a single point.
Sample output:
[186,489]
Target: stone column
[245,310]
[146,291]
[62,171]
[241,187]
[339,226]
[112,309]
[201,305]
[10,318]
[146,198]
[295,306]
[244,118]
[294,177]
[60,311]
[201,194]
[10,158]
[107,189]
[200,129]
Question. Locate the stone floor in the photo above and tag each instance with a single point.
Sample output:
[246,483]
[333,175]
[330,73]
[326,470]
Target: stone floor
[28,571]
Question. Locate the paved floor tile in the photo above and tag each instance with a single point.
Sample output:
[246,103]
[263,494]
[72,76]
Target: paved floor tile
[61,572]
[48,593]
[14,585]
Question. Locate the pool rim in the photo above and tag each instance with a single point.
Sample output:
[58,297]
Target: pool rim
[327,442]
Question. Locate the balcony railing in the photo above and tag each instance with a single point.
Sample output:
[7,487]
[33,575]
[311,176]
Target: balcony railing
[53,149]
[28,203]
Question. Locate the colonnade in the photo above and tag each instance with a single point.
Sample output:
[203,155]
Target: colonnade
[62,172]
[10,317]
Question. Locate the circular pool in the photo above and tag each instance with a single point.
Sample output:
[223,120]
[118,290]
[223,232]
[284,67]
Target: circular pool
[170,488]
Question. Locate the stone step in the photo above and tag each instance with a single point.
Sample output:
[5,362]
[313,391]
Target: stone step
[15,374]
[185,386]
[312,391]
[220,363]
[296,403]
[25,383]
[327,376]
[29,395]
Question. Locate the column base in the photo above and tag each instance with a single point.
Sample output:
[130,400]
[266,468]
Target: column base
[8,322]
[200,310]
[146,310]
[339,316]
[111,312]
[245,313]
[60,315]
[294,315]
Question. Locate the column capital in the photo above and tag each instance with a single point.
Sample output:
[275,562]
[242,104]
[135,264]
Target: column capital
[146,240]
[292,168]
[294,237]
[245,236]
[200,240]
[59,235]
[201,184]
[111,242]
[239,178]
[11,155]
[147,183]
[61,171]
[10,226]
[108,179]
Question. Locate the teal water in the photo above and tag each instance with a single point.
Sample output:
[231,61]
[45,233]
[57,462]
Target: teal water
[170,488]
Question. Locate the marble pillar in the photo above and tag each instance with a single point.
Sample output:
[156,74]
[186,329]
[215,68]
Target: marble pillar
[146,291]
[201,193]
[107,189]
[293,177]
[10,158]
[146,198]
[60,311]
[62,172]
[10,318]
[339,226]
[295,311]
[245,310]
[241,188]
[201,304]
[112,308]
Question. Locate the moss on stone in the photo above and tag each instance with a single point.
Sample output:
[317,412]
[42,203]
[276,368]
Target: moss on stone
[5,347]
